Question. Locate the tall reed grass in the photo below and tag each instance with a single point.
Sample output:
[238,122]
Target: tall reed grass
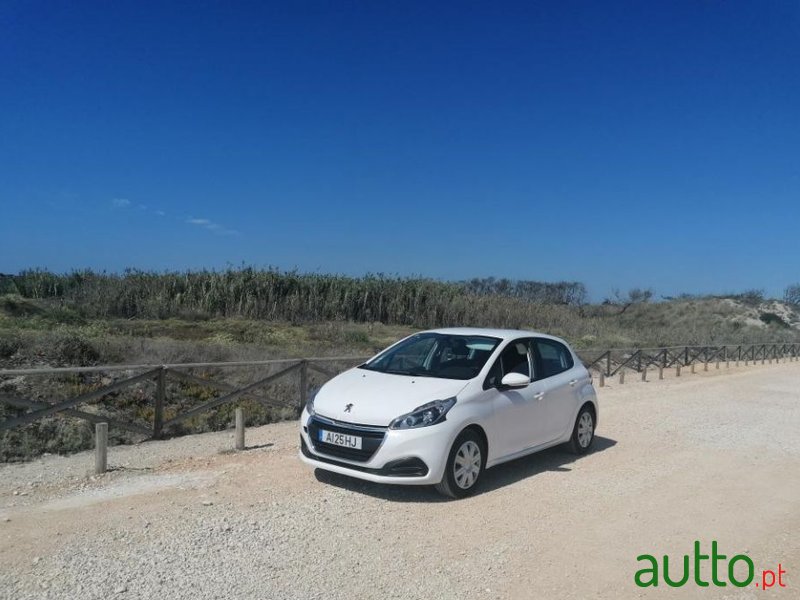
[296,297]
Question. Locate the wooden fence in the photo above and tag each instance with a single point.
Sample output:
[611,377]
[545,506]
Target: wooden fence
[607,362]
[160,374]
[610,362]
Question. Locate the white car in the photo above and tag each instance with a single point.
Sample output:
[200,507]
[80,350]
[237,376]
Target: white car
[440,406]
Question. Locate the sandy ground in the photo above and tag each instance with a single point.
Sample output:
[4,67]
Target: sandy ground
[709,456]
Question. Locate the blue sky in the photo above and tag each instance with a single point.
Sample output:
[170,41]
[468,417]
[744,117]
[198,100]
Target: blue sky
[617,143]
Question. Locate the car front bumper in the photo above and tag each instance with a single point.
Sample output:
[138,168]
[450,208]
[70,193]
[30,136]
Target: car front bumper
[404,457]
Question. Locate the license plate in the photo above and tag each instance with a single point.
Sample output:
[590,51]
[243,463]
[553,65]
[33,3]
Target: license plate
[340,439]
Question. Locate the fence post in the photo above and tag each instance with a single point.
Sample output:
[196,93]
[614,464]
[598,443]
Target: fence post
[622,375]
[705,365]
[601,380]
[158,412]
[239,429]
[678,370]
[303,384]
[660,372]
[686,356]
[100,448]
[692,367]
[644,374]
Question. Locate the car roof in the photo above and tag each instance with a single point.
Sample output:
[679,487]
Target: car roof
[503,334]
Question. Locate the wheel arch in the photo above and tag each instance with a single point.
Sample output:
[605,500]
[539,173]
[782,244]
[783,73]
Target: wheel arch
[482,434]
[592,406]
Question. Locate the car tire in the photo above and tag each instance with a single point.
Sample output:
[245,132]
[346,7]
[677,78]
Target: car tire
[465,465]
[583,432]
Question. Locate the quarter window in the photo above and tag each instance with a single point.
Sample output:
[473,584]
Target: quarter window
[553,357]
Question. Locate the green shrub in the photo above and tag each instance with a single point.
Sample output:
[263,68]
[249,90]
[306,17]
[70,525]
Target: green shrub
[75,350]
[773,319]
[17,306]
[10,343]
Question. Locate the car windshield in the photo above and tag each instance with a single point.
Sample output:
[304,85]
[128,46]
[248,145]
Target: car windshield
[439,355]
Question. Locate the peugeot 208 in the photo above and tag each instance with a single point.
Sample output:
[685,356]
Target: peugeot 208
[439,407]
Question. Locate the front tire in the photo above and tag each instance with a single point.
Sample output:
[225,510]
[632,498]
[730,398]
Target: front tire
[583,432]
[465,465]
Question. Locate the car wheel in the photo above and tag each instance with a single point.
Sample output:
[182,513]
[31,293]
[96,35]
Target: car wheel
[465,465]
[583,432]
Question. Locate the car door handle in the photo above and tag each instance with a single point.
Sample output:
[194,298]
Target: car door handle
[573,382]
[538,395]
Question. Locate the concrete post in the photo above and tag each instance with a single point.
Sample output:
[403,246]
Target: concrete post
[100,448]
[239,429]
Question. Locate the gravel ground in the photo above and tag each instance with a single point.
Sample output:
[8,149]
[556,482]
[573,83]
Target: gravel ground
[709,456]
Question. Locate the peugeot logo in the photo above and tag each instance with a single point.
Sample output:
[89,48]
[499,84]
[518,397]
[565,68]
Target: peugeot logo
[348,408]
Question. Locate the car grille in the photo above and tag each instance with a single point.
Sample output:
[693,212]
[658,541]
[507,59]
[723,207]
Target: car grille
[371,439]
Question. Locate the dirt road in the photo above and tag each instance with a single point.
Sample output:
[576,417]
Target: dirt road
[712,457]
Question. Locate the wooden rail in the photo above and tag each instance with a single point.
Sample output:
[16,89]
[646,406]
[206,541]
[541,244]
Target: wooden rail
[606,362]
[160,374]
[611,362]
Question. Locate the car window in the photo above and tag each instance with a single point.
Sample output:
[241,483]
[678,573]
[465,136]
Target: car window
[447,356]
[553,358]
[513,359]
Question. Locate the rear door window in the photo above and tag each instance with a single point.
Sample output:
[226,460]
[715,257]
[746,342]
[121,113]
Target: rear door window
[552,357]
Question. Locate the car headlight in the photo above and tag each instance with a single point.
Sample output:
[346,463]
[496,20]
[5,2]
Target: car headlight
[425,415]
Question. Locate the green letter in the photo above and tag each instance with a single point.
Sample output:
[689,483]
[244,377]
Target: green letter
[685,577]
[653,570]
[697,558]
[749,572]
[714,558]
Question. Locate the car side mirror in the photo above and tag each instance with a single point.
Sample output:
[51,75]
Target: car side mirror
[515,380]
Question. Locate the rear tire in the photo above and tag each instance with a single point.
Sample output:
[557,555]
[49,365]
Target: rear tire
[465,465]
[583,432]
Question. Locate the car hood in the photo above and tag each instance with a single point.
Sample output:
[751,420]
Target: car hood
[379,398]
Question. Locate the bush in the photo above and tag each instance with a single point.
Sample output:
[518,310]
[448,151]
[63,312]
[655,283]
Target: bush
[791,295]
[751,297]
[75,350]
[17,306]
[9,345]
[773,319]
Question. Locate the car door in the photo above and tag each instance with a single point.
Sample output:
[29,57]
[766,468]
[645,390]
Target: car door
[556,375]
[518,419]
